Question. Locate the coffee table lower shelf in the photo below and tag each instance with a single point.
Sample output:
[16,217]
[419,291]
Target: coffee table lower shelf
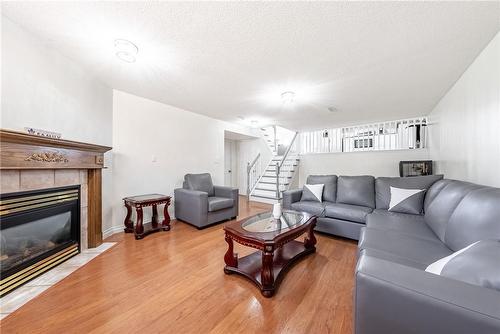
[251,266]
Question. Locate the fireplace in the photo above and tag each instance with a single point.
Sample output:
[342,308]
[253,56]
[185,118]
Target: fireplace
[39,230]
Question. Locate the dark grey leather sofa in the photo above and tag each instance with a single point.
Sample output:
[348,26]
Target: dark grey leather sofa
[201,204]
[348,200]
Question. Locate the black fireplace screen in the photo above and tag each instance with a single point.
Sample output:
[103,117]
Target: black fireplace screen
[39,229]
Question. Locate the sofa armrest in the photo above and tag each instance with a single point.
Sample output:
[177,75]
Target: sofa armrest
[291,196]
[226,192]
[394,298]
[229,192]
[191,205]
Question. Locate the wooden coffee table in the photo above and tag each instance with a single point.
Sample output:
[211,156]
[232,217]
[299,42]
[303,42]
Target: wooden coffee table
[276,244]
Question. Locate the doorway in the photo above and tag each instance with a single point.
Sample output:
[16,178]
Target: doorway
[230,163]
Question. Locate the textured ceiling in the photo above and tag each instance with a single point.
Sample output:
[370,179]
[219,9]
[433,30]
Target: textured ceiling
[369,60]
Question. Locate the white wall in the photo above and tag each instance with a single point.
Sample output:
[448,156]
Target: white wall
[43,89]
[180,141]
[465,130]
[379,163]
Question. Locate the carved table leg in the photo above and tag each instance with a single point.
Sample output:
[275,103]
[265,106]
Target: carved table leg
[230,258]
[310,239]
[166,221]
[139,228]
[267,273]
[129,225]
[154,219]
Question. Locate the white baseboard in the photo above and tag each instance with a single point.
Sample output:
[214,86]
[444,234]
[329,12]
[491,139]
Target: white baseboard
[112,230]
[117,229]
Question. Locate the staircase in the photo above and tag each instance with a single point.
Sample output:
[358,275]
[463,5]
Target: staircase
[268,185]
[269,135]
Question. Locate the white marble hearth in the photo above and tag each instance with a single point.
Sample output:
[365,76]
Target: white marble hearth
[32,289]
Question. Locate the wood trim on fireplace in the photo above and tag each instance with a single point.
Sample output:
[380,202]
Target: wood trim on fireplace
[94,208]
[22,151]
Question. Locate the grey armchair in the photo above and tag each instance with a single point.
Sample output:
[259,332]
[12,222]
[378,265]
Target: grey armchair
[201,204]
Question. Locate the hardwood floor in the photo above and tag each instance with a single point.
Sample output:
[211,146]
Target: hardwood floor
[173,282]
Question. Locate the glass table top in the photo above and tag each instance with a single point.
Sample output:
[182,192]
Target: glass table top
[265,222]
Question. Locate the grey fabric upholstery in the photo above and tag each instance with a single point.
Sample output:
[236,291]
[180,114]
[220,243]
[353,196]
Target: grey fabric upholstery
[198,208]
[342,228]
[395,298]
[291,196]
[330,188]
[349,212]
[383,184]
[461,213]
[200,182]
[312,207]
[356,190]
[478,265]
[219,203]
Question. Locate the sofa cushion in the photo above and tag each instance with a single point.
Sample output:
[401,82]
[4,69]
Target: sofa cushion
[314,208]
[477,264]
[461,213]
[200,182]
[312,192]
[408,224]
[330,185]
[392,258]
[407,200]
[349,212]
[219,203]
[477,217]
[383,184]
[413,249]
[356,190]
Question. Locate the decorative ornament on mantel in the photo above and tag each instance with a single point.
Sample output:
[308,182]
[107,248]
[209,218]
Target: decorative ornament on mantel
[43,133]
[47,157]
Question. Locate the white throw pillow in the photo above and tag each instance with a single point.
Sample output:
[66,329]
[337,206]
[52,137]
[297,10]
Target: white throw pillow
[437,267]
[312,192]
[407,200]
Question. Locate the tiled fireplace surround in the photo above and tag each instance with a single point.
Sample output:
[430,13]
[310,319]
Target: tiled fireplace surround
[29,162]
[24,180]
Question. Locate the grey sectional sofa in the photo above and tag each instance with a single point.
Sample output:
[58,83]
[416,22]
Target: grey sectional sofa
[348,200]
[394,293]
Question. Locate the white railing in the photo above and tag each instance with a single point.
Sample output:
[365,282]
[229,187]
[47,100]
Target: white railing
[285,167]
[254,172]
[392,135]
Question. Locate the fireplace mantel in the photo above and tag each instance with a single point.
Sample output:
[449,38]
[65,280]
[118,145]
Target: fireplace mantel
[21,151]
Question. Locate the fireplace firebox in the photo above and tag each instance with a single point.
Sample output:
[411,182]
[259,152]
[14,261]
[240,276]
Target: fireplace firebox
[38,230]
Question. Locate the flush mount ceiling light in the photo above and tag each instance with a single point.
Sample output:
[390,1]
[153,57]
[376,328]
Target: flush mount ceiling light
[126,50]
[287,97]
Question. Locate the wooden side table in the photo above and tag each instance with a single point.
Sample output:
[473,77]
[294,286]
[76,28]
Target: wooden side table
[138,202]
